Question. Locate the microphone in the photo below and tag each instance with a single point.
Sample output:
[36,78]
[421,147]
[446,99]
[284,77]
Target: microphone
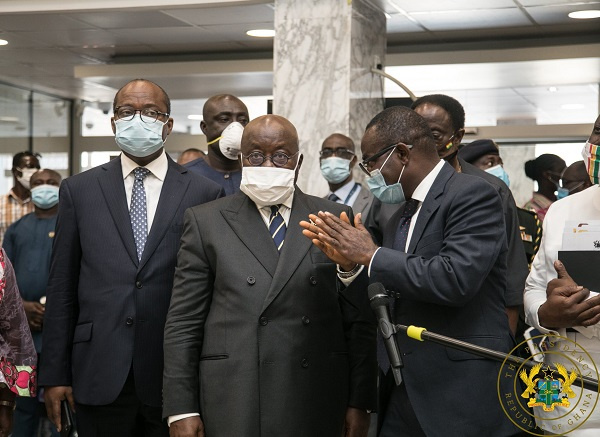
[379,304]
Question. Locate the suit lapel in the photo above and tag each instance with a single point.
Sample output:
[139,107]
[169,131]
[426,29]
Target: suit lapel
[295,246]
[245,220]
[113,189]
[172,193]
[430,205]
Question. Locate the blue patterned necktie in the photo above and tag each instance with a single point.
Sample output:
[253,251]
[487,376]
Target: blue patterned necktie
[333,197]
[138,210]
[277,227]
[400,245]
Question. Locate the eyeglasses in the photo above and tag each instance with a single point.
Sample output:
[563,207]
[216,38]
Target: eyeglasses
[340,153]
[148,115]
[279,159]
[366,163]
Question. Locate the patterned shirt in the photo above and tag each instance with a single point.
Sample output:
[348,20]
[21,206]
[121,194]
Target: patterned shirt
[12,208]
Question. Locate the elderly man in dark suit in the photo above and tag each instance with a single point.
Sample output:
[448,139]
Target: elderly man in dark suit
[262,339]
[111,274]
[444,254]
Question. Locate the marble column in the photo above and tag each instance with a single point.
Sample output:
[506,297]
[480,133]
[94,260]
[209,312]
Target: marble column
[514,158]
[324,51]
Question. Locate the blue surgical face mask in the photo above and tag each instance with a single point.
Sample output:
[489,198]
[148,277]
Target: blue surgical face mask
[561,193]
[138,138]
[384,192]
[335,170]
[499,172]
[44,196]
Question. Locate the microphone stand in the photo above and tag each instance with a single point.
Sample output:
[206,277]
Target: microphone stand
[421,334]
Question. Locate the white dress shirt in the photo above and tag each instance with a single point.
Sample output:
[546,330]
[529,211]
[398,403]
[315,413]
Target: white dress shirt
[581,206]
[153,182]
[345,194]
[419,194]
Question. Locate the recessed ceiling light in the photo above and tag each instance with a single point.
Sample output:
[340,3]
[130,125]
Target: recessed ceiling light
[572,106]
[194,117]
[3,42]
[585,15]
[261,33]
[552,89]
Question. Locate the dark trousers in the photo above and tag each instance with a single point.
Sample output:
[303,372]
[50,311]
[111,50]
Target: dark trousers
[127,416]
[397,417]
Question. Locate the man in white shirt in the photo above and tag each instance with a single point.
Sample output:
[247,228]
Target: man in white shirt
[556,304]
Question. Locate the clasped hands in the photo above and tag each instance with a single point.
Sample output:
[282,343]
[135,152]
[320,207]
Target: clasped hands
[343,243]
[567,303]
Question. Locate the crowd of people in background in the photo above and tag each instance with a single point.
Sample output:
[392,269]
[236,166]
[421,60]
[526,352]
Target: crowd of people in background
[157,295]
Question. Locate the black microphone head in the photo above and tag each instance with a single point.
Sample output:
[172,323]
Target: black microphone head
[377,295]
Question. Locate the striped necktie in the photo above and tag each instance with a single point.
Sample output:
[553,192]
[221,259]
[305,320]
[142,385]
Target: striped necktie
[277,227]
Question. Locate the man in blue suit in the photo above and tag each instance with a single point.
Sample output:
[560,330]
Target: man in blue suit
[444,256]
[111,274]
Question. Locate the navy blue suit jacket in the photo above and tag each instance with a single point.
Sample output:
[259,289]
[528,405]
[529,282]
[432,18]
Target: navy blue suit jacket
[452,281]
[106,310]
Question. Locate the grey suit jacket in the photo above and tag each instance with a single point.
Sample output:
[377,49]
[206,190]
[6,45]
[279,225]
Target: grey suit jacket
[363,202]
[261,343]
[106,310]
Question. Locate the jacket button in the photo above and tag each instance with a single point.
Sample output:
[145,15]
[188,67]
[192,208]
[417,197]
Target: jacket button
[251,280]
[305,320]
[313,280]
[138,284]
[304,363]
[129,321]
[263,321]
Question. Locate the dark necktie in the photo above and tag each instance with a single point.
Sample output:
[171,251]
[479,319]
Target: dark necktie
[333,197]
[277,227]
[138,210]
[404,224]
[399,244]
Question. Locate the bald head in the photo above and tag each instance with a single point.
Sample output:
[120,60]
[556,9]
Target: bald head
[45,176]
[270,134]
[336,141]
[132,84]
[219,112]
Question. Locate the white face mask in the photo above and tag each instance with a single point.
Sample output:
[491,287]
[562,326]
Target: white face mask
[230,141]
[25,178]
[268,186]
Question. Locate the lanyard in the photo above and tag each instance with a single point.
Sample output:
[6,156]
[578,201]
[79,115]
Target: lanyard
[349,196]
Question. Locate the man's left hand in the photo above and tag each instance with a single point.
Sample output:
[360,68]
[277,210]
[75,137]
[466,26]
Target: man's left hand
[357,423]
[335,235]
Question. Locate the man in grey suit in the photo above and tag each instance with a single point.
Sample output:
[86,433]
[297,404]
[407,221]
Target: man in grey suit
[337,161]
[444,256]
[262,339]
[111,274]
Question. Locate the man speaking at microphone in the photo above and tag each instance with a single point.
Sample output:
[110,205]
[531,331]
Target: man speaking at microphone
[444,256]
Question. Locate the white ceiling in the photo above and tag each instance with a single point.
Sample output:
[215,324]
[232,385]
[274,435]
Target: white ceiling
[49,40]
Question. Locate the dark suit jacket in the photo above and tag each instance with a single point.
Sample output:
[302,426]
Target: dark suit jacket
[105,311]
[452,281]
[263,344]
[517,266]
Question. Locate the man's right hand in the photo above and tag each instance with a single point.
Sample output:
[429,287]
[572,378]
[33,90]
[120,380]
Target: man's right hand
[566,305]
[188,427]
[35,314]
[52,397]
